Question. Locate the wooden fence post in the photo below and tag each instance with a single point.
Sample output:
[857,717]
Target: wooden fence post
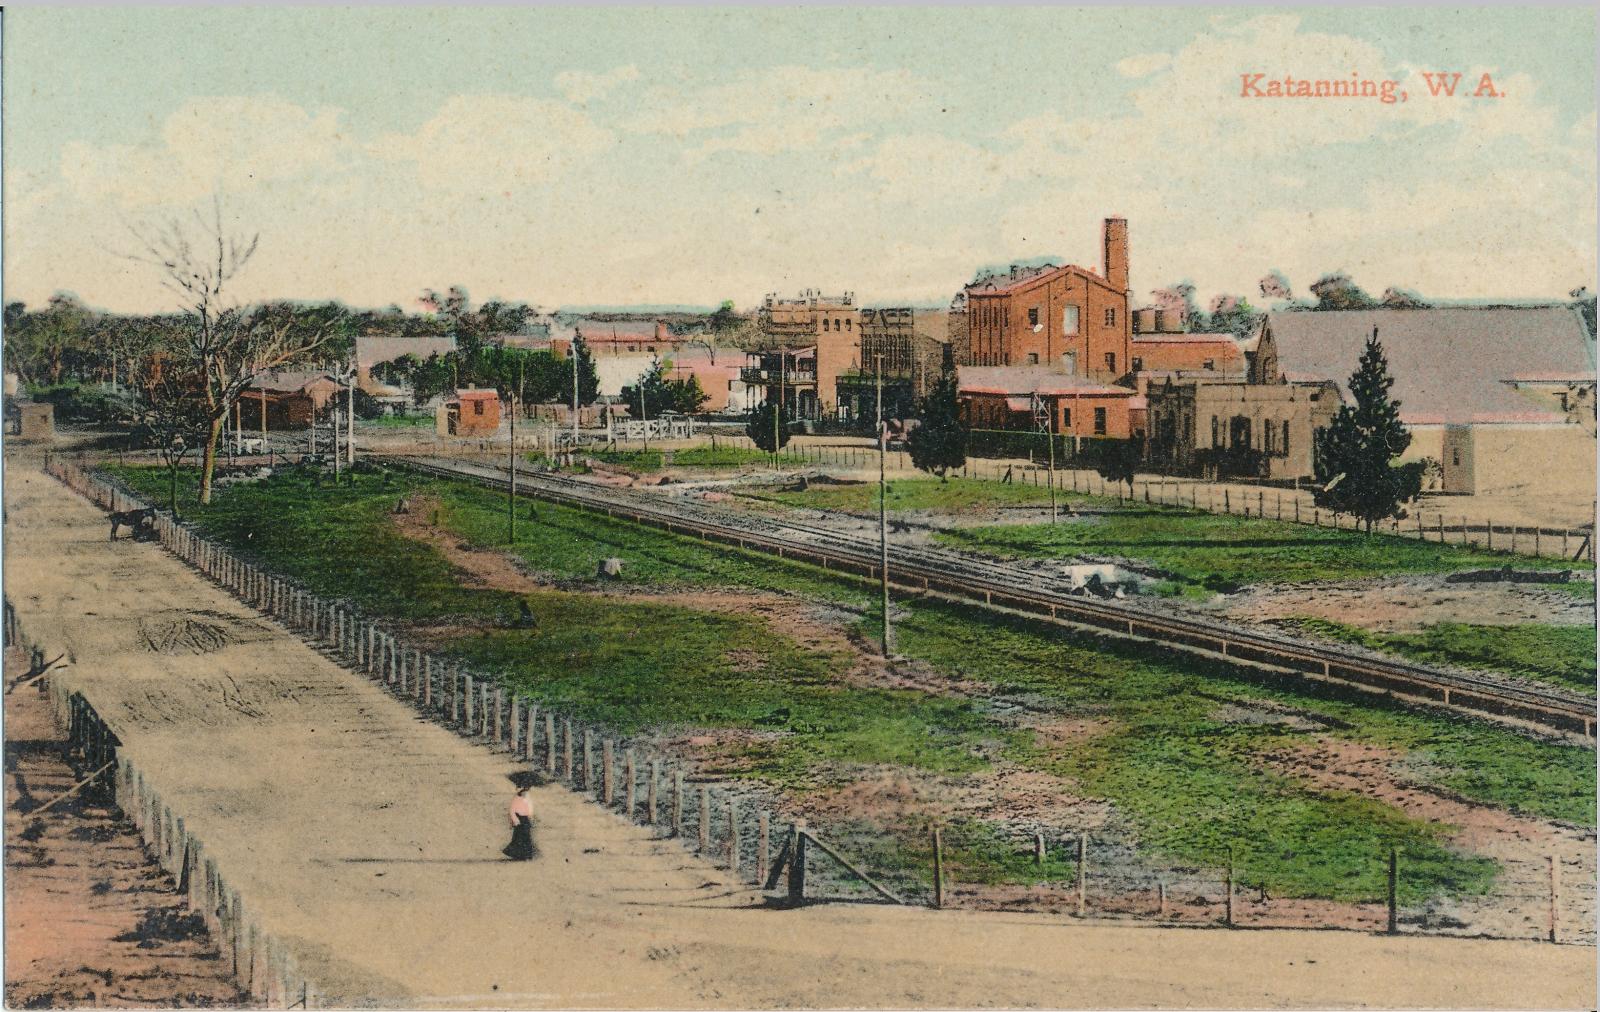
[1161,899]
[1083,863]
[762,830]
[733,837]
[586,780]
[550,742]
[499,704]
[677,802]
[1228,912]
[650,791]
[627,772]
[466,696]
[1038,849]
[705,819]
[1394,890]
[797,862]
[938,869]
[607,787]
[1555,897]
[566,754]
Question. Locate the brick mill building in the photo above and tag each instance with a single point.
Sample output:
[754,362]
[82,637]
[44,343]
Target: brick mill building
[1068,319]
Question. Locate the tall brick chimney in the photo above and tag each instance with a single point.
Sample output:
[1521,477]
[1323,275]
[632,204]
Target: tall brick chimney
[1115,234]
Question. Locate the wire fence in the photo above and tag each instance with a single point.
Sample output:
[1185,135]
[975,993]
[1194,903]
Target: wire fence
[742,827]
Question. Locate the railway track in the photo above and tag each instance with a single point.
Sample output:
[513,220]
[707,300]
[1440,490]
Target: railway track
[994,584]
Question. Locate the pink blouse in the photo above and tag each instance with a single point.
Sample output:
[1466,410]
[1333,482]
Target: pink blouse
[520,805]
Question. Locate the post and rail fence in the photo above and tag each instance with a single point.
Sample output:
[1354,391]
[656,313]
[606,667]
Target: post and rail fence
[733,826]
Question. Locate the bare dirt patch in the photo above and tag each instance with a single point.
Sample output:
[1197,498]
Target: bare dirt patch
[1407,604]
[1518,905]
[90,921]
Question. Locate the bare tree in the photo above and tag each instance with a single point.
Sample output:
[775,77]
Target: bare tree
[228,347]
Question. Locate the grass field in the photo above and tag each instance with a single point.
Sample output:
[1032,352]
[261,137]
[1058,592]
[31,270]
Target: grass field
[1559,654]
[1223,552]
[957,495]
[1188,778]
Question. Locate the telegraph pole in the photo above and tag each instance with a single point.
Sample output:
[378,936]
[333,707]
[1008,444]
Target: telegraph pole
[574,391]
[883,511]
[511,498]
[783,365]
[335,413]
[1050,435]
[350,428]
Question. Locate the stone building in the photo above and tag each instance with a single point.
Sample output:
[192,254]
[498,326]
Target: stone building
[1218,428]
[1500,396]
[914,346]
[815,338]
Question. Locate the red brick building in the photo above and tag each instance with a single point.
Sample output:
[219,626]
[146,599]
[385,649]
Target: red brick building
[1068,319]
[1005,397]
[472,413]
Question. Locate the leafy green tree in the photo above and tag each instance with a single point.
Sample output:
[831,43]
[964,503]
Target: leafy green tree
[1354,454]
[688,397]
[725,320]
[760,426]
[588,379]
[1403,298]
[1234,315]
[938,444]
[433,377]
[1336,291]
[1116,460]
[660,393]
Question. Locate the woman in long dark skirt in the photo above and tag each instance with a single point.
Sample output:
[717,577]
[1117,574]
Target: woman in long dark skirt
[521,847]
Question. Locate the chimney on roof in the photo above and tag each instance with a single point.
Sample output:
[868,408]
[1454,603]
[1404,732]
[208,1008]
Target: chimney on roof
[1115,235]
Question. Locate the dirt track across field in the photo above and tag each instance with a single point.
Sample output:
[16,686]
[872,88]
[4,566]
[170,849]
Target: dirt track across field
[368,841]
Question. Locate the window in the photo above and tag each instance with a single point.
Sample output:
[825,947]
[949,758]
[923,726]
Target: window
[1209,364]
[1069,319]
[1066,418]
[477,407]
[1033,316]
[1069,362]
[1138,364]
[1216,432]
[1033,358]
[1111,361]
[847,323]
[1284,447]
[1099,421]
[1455,458]
[1111,317]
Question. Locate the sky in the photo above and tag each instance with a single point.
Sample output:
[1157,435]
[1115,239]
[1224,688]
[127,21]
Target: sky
[614,156]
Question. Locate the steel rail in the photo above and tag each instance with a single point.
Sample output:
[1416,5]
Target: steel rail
[994,584]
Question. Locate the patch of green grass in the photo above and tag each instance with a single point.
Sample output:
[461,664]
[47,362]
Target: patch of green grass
[397,421]
[1559,654]
[1189,780]
[569,544]
[1223,552]
[1193,781]
[633,460]
[954,496]
[631,666]
[638,667]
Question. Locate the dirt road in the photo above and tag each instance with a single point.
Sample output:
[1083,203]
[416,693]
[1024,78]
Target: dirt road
[90,919]
[370,840]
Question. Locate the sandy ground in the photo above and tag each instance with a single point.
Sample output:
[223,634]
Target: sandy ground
[368,841]
[90,920]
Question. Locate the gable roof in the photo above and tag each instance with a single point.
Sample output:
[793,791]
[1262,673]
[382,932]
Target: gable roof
[1025,278]
[1447,363]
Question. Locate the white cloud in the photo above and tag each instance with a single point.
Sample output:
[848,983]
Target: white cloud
[229,144]
[582,86]
[1143,64]
[493,144]
[779,109]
